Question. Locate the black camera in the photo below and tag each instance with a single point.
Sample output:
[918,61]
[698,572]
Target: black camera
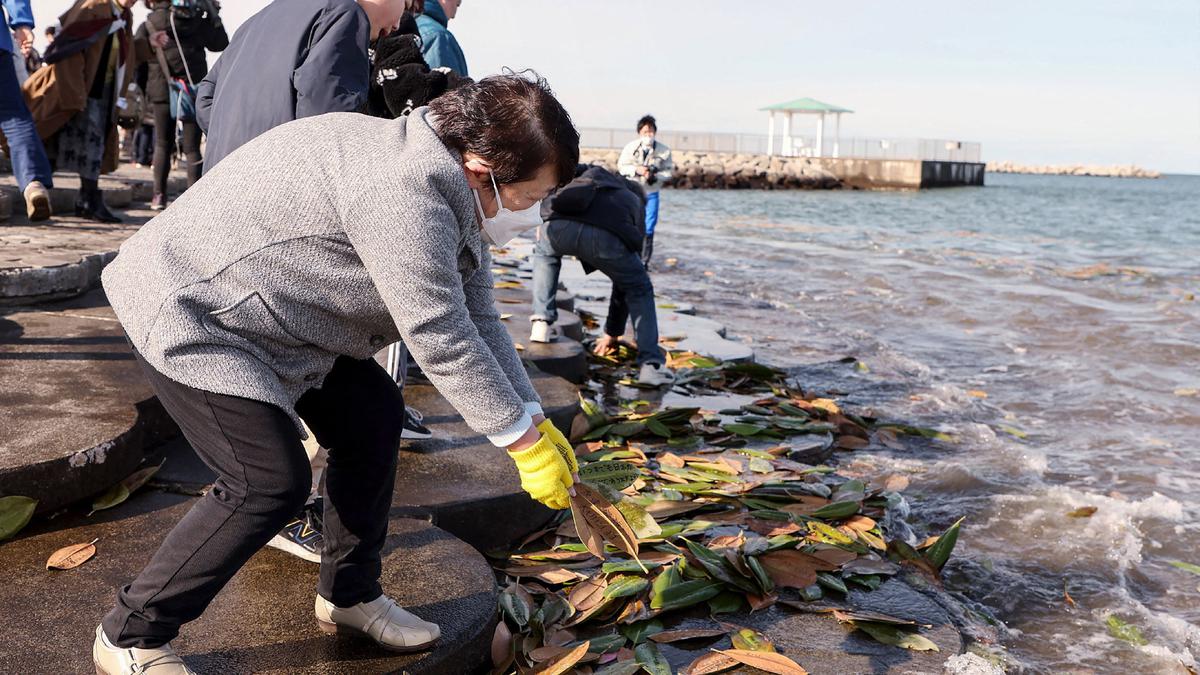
[651,175]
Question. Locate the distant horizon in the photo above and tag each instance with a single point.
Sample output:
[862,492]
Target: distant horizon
[1093,83]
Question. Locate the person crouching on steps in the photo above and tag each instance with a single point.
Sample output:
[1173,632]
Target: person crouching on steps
[598,219]
[254,304]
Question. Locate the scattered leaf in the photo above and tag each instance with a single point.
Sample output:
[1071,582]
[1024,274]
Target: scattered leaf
[1186,566]
[121,491]
[687,634]
[889,634]
[1128,632]
[939,552]
[1082,512]
[712,662]
[653,662]
[72,556]
[15,514]
[751,640]
[768,661]
[565,662]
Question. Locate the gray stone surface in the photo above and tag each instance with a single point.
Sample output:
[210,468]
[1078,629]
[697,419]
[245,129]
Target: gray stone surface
[59,258]
[820,644]
[77,410]
[262,621]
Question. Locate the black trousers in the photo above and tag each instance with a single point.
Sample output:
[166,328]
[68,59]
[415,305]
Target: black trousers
[263,479]
[164,147]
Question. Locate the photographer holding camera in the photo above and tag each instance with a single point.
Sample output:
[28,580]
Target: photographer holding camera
[179,32]
[649,162]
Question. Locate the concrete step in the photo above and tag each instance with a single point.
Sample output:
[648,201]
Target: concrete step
[78,414]
[59,258]
[262,622]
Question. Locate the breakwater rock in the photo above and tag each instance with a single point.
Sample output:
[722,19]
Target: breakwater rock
[1113,171]
[729,171]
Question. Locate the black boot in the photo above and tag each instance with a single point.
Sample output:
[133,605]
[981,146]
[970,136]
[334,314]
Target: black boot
[90,203]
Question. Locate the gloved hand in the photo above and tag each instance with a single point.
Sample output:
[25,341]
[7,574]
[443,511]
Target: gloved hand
[545,474]
[564,446]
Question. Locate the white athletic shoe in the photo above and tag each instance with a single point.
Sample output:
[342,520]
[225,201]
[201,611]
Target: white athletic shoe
[542,331]
[655,374]
[112,660]
[382,620]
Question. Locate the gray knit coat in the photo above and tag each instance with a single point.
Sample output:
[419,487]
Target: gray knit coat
[330,235]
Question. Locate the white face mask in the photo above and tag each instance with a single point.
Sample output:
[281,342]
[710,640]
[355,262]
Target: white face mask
[506,224]
[647,141]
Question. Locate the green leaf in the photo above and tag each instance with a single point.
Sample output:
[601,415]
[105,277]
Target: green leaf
[765,584]
[836,510]
[638,632]
[891,635]
[811,593]
[598,433]
[1186,566]
[939,553]
[743,429]
[658,428]
[1013,431]
[674,415]
[919,431]
[828,534]
[625,586]
[716,565]
[831,582]
[627,566]
[751,640]
[613,474]
[627,429]
[515,607]
[620,668]
[653,662]
[685,594]
[15,514]
[121,491]
[754,370]
[1125,631]
[603,644]
[725,602]
[593,412]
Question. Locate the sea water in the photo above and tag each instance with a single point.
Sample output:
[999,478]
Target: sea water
[1051,326]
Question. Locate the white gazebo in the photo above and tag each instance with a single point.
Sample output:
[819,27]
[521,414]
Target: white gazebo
[803,106]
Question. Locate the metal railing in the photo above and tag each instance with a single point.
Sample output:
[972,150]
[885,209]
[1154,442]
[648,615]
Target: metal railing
[796,146]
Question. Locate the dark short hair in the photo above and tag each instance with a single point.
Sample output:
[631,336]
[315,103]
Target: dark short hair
[647,120]
[514,122]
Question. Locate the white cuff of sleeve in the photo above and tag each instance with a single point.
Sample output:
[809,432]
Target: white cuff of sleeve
[510,435]
[534,408]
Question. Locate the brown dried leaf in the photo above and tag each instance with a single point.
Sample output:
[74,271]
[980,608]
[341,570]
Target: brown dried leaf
[858,523]
[72,556]
[589,538]
[670,459]
[758,602]
[790,568]
[565,662]
[712,662]
[768,661]
[834,556]
[605,520]
[502,647]
[587,594]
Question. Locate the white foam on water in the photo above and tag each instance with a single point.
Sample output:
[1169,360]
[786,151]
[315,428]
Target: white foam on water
[1111,535]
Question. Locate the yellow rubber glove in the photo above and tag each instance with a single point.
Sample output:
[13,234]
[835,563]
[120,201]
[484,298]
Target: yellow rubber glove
[564,446]
[545,475]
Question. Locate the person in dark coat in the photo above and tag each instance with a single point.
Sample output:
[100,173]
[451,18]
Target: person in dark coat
[295,58]
[599,218]
[184,34]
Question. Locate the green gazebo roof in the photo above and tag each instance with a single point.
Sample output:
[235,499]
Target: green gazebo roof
[807,105]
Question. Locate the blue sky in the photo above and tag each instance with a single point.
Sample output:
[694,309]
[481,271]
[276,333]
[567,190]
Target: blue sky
[1039,82]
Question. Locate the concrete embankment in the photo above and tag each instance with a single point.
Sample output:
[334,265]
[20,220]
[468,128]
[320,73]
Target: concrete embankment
[1110,171]
[730,171]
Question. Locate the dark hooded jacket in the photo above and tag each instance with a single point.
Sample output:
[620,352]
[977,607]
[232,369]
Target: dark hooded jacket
[602,199]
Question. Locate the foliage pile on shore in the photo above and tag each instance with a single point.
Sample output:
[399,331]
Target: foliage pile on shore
[689,516]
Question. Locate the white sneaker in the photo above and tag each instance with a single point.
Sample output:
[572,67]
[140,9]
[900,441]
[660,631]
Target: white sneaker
[382,620]
[542,331]
[37,201]
[111,660]
[655,374]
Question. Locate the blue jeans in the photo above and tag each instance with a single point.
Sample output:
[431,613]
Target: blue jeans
[29,161]
[632,292]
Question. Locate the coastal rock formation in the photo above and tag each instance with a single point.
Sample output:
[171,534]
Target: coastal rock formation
[716,170]
[1113,171]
